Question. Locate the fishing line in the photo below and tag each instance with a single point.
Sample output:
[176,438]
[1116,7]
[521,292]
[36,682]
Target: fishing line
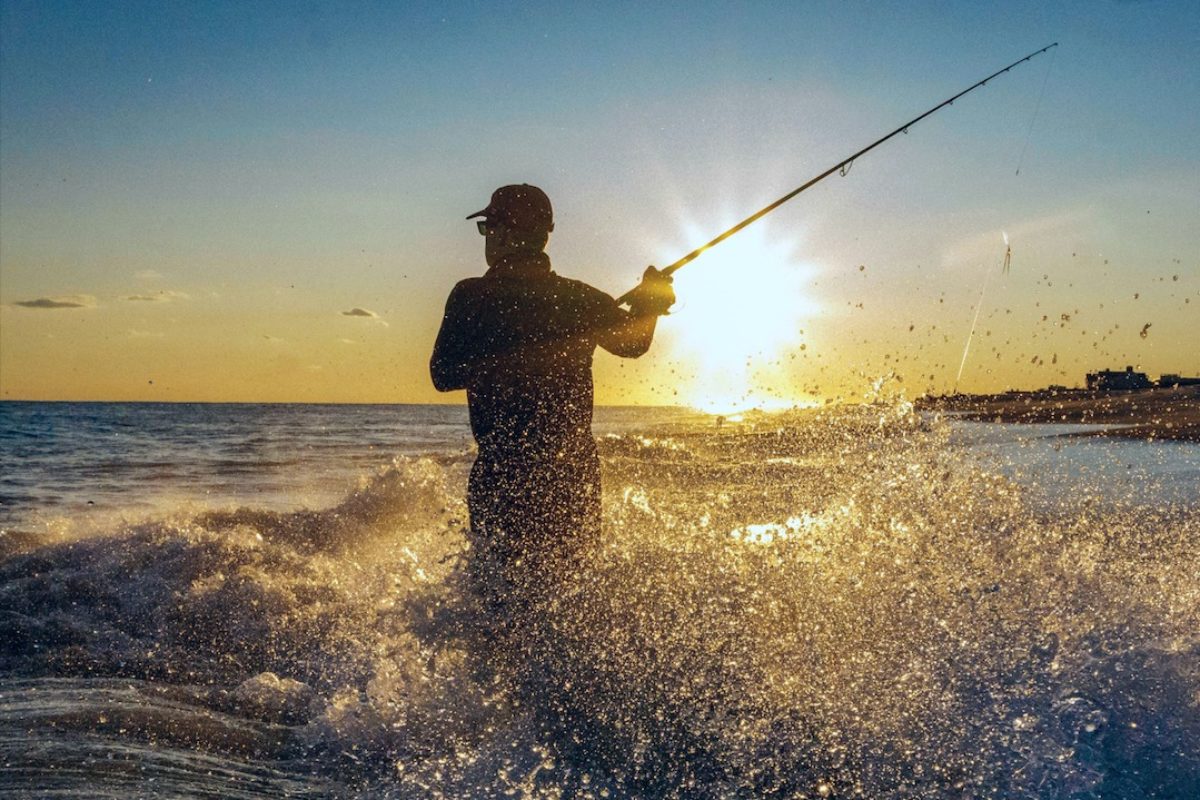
[1036,108]
[1007,247]
[843,165]
[967,349]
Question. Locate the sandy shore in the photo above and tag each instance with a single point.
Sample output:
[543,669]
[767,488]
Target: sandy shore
[1148,414]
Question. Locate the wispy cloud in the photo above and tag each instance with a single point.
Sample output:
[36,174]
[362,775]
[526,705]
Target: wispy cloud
[162,296]
[365,314]
[148,275]
[274,339]
[66,301]
[136,334]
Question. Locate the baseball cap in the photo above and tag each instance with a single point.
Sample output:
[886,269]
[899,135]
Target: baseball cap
[519,206]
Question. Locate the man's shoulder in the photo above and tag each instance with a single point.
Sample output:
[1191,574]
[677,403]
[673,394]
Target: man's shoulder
[467,287]
[467,284]
[583,290]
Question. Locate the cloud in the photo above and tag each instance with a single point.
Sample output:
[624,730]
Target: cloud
[67,301]
[136,334]
[366,314]
[148,275]
[348,341]
[162,296]
[274,339]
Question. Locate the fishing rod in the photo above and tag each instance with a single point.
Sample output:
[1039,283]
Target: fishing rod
[841,165]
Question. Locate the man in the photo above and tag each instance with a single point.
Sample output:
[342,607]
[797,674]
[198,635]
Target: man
[520,340]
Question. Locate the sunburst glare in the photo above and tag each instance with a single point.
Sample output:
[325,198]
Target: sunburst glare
[739,322]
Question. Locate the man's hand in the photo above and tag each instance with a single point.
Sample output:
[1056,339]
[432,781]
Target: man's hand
[654,296]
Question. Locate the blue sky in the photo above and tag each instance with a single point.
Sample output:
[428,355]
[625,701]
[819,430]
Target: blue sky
[286,160]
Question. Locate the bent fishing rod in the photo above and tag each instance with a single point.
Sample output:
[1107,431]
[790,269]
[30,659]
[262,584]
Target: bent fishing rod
[841,165]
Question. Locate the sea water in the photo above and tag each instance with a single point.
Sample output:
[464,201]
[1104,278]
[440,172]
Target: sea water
[268,601]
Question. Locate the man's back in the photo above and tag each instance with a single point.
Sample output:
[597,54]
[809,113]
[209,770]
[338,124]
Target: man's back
[528,336]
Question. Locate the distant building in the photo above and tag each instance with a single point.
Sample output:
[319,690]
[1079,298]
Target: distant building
[1107,380]
[1171,381]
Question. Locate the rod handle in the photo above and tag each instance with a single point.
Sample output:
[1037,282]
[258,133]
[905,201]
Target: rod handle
[667,270]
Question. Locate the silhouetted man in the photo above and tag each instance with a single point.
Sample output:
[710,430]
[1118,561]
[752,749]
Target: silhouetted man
[520,341]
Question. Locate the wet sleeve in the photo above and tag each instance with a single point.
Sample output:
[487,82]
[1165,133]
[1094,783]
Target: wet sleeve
[618,331]
[605,313]
[453,352]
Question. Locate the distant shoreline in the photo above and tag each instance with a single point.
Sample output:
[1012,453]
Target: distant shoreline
[1171,414]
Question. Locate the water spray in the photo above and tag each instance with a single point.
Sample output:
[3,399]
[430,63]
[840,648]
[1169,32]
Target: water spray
[843,165]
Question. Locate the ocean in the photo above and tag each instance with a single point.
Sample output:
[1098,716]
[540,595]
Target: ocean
[239,601]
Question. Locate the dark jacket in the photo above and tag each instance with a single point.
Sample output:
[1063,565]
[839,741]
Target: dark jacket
[520,341]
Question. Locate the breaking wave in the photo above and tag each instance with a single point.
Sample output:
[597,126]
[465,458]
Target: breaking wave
[843,603]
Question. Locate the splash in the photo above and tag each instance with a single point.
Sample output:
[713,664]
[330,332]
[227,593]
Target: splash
[841,603]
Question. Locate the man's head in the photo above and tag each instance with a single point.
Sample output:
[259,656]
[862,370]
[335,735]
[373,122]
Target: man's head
[518,220]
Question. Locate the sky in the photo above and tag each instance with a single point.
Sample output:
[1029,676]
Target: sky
[265,202]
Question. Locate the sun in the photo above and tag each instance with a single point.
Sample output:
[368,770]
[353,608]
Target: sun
[739,319]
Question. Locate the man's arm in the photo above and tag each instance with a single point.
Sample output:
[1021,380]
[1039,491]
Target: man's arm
[629,335]
[450,365]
